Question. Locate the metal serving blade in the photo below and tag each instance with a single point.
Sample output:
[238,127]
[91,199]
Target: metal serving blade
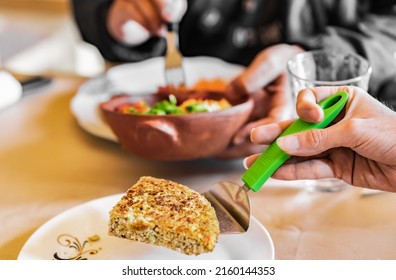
[232,206]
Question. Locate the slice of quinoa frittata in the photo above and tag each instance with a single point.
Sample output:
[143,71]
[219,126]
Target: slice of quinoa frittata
[165,213]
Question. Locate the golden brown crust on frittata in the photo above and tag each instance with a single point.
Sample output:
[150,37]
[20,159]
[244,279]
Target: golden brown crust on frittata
[165,213]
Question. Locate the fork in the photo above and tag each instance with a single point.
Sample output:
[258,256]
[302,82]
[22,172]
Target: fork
[174,72]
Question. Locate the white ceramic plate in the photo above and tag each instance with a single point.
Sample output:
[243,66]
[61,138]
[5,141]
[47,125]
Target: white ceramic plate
[138,78]
[81,233]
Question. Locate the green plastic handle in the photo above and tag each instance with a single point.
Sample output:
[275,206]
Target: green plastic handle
[273,157]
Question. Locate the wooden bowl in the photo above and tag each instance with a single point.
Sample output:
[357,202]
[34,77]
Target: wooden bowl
[175,137]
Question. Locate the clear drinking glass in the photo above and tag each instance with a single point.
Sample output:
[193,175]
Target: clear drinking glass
[327,68]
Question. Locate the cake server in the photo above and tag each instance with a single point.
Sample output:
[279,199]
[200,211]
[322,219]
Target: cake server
[231,201]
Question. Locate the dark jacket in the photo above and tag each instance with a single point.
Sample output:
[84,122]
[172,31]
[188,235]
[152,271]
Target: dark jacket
[236,30]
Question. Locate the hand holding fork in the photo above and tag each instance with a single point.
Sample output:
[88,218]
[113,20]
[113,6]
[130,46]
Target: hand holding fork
[133,22]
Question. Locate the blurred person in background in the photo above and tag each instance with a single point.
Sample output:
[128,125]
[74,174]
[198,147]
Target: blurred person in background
[259,34]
